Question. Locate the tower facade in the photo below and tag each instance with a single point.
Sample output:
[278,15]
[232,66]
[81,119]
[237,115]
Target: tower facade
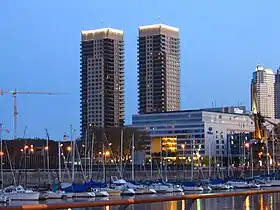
[102,78]
[158,68]
[263,78]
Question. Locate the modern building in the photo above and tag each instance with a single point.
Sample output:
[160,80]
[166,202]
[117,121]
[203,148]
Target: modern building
[277,94]
[263,79]
[158,68]
[102,78]
[182,132]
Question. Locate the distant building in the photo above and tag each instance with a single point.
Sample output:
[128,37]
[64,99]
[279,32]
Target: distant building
[102,78]
[158,68]
[263,79]
[182,132]
[228,109]
[277,94]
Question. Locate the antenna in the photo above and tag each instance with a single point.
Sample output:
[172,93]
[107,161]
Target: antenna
[159,19]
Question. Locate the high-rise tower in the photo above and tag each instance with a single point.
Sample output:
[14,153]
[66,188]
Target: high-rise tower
[263,80]
[102,78]
[158,68]
[277,94]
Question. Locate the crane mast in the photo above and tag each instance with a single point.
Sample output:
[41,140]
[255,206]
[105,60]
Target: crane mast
[14,94]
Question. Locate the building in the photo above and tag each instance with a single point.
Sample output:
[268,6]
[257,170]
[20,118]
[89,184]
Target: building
[158,68]
[263,80]
[183,132]
[277,94]
[102,78]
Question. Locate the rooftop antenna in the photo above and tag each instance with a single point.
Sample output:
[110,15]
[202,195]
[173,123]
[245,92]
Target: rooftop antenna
[158,17]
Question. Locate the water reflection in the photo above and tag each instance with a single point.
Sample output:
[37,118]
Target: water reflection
[256,202]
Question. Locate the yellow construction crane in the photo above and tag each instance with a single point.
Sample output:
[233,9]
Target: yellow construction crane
[260,130]
[14,94]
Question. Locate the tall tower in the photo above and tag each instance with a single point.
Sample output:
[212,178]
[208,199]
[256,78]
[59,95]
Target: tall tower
[158,68]
[102,78]
[263,79]
[277,94]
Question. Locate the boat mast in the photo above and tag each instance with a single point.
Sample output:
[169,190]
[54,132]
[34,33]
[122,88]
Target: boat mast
[132,156]
[1,156]
[48,158]
[73,153]
[121,161]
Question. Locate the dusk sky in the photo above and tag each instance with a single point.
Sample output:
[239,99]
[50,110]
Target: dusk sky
[221,43]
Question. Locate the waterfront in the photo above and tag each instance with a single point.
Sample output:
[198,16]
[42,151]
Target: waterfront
[255,202]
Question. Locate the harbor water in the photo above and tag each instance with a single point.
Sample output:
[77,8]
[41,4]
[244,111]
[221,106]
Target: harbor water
[255,202]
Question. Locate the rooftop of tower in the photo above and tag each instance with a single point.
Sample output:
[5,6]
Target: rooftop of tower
[101,33]
[156,26]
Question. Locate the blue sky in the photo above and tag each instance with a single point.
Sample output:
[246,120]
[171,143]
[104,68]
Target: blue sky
[221,43]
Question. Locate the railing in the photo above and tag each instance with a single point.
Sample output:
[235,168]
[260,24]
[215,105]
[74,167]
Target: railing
[126,202]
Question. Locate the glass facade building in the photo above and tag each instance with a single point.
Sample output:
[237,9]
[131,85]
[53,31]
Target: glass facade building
[191,130]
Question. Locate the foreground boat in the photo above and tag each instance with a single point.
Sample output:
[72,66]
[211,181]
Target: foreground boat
[19,193]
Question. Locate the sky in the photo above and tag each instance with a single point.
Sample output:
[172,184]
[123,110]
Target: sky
[221,43]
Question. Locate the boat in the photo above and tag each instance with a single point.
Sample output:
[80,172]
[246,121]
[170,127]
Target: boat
[113,192]
[100,192]
[121,184]
[192,186]
[162,188]
[54,195]
[4,199]
[19,193]
[242,185]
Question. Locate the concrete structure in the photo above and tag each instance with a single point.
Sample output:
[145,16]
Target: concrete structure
[277,94]
[264,78]
[180,131]
[158,68]
[102,78]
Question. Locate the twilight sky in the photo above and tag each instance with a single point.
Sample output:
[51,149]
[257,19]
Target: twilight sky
[221,43]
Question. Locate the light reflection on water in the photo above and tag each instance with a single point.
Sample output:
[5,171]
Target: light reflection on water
[256,202]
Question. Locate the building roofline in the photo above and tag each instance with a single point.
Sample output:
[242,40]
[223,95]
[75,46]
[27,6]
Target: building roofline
[156,26]
[194,110]
[93,31]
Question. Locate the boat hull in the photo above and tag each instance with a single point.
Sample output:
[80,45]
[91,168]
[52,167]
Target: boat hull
[23,196]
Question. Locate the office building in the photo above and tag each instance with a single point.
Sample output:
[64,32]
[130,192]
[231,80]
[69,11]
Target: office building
[182,132]
[102,78]
[277,94]
[263,80]
[158,69]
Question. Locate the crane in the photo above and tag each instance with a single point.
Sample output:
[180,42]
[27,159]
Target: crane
[14,94]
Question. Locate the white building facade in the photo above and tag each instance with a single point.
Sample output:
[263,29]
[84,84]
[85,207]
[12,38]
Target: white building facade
[202,129]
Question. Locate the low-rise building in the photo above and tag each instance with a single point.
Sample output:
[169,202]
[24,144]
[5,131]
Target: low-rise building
[183,133]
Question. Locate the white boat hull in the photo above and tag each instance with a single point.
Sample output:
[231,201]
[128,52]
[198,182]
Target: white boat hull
[84,195]
[23,196]
[189,188]
[113,192]
[128,192]
[101,193]
[54,195]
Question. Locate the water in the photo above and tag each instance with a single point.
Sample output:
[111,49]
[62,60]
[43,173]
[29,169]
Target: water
[256,202]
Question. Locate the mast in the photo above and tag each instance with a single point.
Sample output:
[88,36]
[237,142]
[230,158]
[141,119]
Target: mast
[103,162]
[151,159]
[73,154]
[48,158]
[91,154]
[161,176]
[121,161]
[1,156]
[59,159]
[132,156]
[86,153]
